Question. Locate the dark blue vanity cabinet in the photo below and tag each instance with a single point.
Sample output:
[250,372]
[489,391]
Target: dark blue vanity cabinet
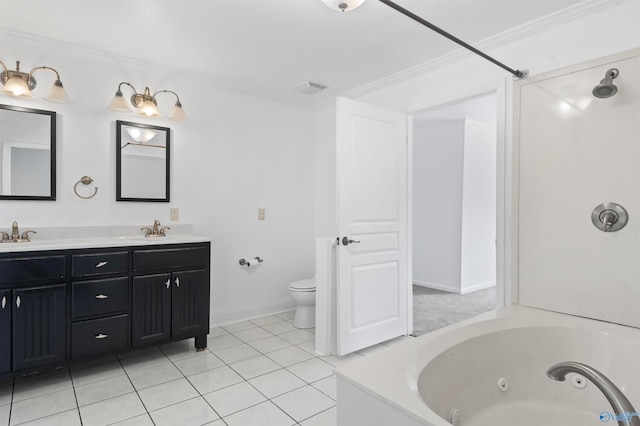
[171,295]
[62,306]
[5,331]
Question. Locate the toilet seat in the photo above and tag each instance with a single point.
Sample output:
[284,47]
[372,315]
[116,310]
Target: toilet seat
[303,285]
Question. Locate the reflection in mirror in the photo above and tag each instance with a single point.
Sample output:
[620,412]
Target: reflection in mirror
[27,153]
[142,162]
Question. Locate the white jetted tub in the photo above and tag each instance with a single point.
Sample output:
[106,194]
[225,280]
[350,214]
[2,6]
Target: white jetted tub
[491,371]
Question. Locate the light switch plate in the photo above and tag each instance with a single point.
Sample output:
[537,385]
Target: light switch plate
[173,213]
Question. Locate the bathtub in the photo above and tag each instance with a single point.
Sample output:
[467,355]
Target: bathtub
[490,371]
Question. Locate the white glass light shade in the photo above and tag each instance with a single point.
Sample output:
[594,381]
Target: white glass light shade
[119,104]
[149,109]
[177,113]
[16,86]
[57,94]
[342,5]
[140,135]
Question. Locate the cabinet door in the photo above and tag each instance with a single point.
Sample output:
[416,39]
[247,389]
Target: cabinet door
[151,310]
[39,326]
[5,331]
[190,303]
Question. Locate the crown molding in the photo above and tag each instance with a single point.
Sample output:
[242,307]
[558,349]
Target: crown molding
[87,52]
[545,23]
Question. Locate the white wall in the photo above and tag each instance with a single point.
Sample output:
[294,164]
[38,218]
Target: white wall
[454,205]
[478,251]
[438,153]
[235,155]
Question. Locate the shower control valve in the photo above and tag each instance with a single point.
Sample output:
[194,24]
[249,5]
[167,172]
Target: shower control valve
[609,217]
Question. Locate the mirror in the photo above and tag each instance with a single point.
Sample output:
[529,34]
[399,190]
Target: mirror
[27,153]
[142,162]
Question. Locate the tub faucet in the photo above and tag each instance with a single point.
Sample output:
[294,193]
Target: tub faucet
[625,413]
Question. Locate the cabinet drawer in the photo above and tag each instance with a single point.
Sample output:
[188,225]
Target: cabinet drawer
[168,259]
[99,297]
[83,265]
[18,269]
[98,336]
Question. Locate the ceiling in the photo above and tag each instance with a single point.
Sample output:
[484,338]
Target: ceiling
[267,47]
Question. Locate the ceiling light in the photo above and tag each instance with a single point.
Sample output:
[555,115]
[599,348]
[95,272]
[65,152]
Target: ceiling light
[343,5]
[145,103]
[20,84]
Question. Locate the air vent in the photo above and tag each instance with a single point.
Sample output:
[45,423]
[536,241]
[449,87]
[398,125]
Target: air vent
[309,88]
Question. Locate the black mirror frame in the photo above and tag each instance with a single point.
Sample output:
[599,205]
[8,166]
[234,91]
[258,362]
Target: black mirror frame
[167,131]
[52,191]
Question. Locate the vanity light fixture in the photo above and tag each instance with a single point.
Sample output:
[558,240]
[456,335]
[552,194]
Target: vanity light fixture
[349,5]
[145,103]
[20,84]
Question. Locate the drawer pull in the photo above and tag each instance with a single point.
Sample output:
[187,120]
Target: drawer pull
[101,264]
[101,336]
[168,283]
[4,301]
[18,302]
[101,296]
[177,282]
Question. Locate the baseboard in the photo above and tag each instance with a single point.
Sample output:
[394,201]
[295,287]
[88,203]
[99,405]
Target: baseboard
[478,287]
[251,312]
[435,286]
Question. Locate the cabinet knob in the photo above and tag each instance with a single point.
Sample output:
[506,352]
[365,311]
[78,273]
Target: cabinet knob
[18,302]
[4,301]
[101,296]
[101,264]
[177,282]
[168,283]
[101,336]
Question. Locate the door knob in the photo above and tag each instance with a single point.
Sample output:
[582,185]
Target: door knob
[346,241]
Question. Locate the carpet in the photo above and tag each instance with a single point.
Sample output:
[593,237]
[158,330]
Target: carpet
[434,309]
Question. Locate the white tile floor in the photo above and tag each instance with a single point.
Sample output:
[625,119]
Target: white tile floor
[262,372]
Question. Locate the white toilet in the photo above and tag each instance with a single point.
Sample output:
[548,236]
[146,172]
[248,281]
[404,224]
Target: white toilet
[303,293]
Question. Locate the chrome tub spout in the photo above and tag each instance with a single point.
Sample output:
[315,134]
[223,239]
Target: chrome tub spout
[625,413]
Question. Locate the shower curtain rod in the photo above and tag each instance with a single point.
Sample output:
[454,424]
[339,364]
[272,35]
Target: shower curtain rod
[516,73]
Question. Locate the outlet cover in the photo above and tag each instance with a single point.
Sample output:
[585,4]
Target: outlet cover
[260,214]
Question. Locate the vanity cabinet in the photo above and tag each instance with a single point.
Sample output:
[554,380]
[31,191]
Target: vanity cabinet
[99,302]
[66,305]
[170,295]
[35,288]
[39,326]
[5,331]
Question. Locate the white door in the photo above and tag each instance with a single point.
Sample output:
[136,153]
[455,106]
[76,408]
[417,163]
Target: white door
[372,278]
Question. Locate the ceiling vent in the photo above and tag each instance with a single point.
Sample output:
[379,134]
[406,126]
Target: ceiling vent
[309,88]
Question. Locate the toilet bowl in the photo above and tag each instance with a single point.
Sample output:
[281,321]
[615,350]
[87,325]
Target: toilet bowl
[303,293]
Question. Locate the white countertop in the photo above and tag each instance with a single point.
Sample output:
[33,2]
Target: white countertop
[64,238]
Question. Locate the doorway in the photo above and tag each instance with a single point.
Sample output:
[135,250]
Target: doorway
[454,212]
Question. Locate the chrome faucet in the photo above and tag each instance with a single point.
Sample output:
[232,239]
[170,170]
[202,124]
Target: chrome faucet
[156,230]
[15,236]
[625,413]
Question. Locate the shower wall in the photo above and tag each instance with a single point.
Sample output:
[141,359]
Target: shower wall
[574,152]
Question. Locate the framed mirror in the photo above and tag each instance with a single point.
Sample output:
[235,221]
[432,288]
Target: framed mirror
[27,153]
[142,162]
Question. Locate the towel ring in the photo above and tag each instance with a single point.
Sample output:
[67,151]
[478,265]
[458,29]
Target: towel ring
[85,180]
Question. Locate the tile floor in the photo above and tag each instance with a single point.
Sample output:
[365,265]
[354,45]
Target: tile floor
[261,372]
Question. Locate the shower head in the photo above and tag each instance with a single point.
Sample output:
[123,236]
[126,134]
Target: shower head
[606,88]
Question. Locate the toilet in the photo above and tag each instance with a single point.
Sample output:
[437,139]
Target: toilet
[303,293]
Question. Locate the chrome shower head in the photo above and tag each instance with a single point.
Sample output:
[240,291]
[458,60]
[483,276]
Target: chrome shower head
[606,88]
